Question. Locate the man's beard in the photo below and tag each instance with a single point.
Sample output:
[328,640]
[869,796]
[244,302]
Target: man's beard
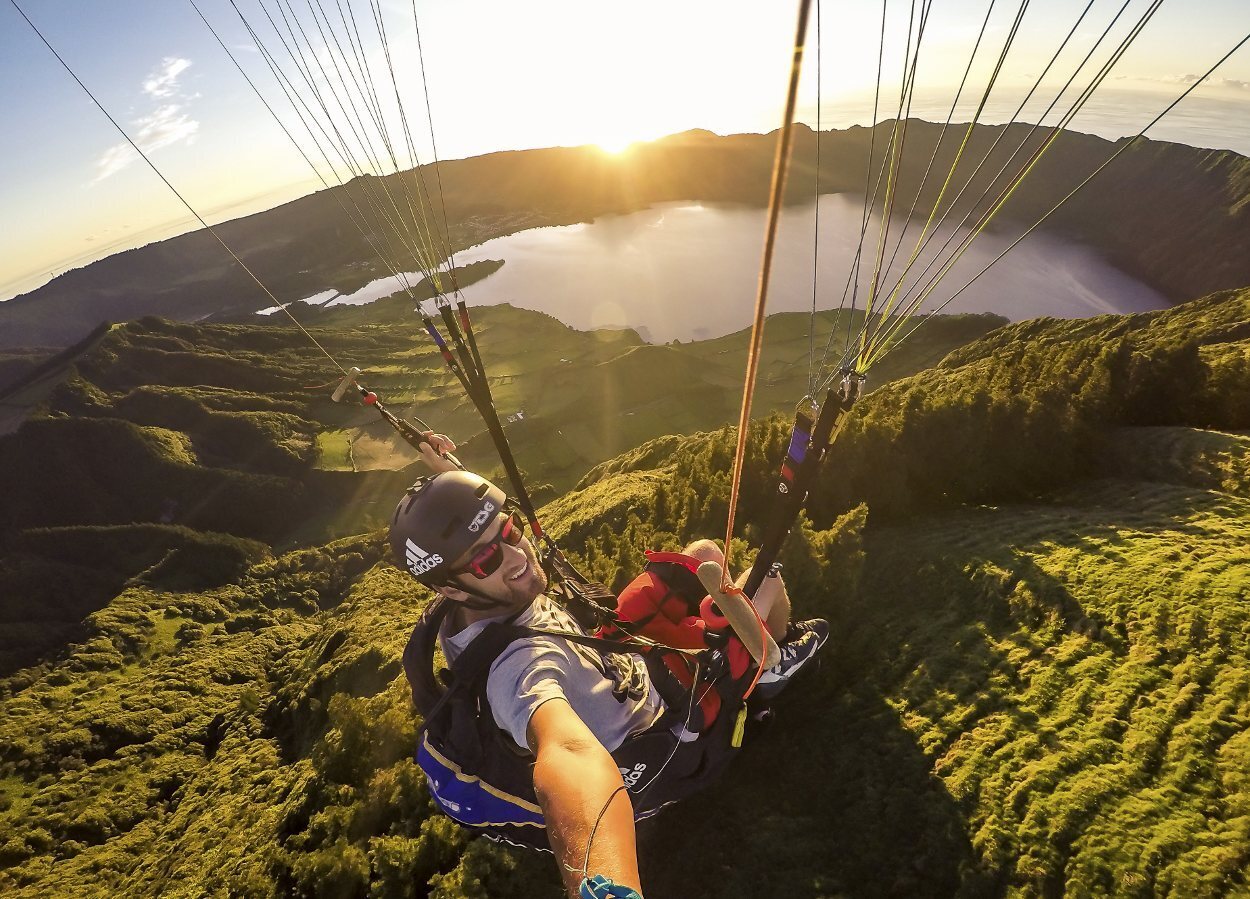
[514,594]
[518,594]
[532,584]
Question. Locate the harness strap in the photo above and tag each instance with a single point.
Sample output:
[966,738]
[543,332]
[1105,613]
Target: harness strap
[607,644]
[471,664]
[690,563]
[679,572]
[419,654]
[467,667]
[808,445]
[472,377]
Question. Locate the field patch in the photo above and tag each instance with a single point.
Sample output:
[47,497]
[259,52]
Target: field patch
[334,451]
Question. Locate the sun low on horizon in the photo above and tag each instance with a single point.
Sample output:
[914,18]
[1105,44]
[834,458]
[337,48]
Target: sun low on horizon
[616,145]
[496,76]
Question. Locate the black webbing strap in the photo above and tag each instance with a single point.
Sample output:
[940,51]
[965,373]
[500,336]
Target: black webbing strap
[478,389]
[808,446]
[432,330]
[477,386]
[606,644]
[465,323]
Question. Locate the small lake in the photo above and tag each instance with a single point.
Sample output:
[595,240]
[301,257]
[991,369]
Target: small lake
[689,270]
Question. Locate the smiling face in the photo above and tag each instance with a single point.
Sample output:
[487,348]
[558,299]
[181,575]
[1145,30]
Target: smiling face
[515,577]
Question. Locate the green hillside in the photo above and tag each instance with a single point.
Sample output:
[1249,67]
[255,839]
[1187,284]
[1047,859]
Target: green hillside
[1033,700]
[188,434]
[1035,557]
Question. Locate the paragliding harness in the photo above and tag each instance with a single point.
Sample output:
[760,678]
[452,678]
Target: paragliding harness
[481,779]
[477,775]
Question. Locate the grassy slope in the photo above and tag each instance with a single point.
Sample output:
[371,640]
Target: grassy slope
[210,426]
[150,740]
[1036,700]
[588,396]
[38,378]
[1016,702]
[1211,460]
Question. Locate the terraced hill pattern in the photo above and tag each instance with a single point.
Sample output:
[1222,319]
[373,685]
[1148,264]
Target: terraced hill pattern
[1036,557]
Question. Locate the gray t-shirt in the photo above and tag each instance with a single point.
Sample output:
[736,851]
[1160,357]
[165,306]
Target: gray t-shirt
[612,694]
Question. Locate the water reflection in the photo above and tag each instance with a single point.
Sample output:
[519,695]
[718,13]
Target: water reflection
[689,271]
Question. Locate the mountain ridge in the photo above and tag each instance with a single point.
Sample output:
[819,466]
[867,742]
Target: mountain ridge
[1175,216]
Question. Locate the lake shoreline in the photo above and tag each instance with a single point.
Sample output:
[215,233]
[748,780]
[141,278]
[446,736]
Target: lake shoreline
[635,270]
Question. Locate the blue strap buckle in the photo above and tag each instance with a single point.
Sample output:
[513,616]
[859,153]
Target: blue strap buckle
[600,887]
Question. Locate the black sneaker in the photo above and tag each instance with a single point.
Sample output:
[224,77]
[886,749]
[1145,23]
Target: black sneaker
[803,639]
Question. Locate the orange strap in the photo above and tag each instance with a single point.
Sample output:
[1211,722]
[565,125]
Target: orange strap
[780,168]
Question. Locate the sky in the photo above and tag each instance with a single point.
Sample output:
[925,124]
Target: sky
[508,75]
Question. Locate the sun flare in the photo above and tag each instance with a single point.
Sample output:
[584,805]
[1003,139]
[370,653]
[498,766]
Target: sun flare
[615,145]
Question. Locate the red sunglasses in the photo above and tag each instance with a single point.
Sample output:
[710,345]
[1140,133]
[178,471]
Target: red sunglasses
[489,556]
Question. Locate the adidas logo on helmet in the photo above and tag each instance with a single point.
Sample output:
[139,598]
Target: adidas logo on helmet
[439,519]
[419,561]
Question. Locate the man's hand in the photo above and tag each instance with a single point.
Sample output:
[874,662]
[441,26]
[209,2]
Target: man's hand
[433,449]
[575,778]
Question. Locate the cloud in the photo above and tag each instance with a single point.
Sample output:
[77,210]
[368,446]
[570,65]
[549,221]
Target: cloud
[1187,80]
[114,159]
[167,124]
[1213,82]
[164,81]
[1182,80]
[1230,83]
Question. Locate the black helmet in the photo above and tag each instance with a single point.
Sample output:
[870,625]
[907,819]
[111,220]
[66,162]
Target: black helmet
[439,519]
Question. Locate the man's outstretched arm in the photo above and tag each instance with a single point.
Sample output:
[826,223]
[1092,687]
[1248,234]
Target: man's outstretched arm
[575,777]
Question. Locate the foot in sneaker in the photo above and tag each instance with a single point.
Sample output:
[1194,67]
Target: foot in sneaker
[803,639]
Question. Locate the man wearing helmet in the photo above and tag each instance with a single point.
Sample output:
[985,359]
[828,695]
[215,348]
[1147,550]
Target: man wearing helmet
[570,706]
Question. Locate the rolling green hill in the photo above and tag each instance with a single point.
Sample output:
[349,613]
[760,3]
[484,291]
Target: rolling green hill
[204,431]
[1034,556]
